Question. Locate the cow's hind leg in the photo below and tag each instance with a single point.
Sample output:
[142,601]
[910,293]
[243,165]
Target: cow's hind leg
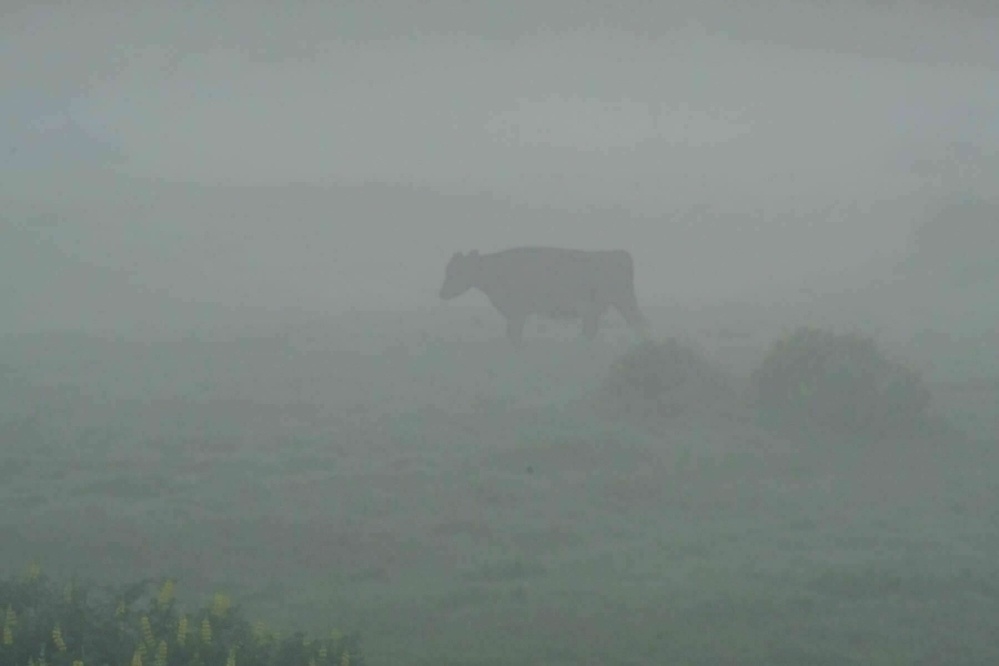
[515,330]
[634,317]
[591,325]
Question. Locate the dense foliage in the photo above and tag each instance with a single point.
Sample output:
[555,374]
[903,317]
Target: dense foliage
[837,382]
[141,624]
[662,379]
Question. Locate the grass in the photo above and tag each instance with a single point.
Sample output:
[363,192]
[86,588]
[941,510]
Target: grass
[458,504]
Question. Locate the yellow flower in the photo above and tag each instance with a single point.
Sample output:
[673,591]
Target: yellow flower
[161,654]
[9,623]
[345,659]
[147,631]
[231,659]
[166,593]
[182,630]
[220,605]
[57,639]
[206,631]
[259,632]
[33,572]
[136,658]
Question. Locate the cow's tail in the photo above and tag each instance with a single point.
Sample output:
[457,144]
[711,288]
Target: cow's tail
[630,310]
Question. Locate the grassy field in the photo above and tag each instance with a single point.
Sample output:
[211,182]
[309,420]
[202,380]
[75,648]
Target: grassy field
[408,476]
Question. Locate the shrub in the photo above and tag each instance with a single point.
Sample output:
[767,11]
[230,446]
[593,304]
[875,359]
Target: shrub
[837,382]
[657,379]
[41,623]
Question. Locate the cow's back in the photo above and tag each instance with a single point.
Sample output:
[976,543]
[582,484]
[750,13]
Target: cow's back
[557,281]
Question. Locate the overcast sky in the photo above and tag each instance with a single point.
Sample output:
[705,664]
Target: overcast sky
[697,125]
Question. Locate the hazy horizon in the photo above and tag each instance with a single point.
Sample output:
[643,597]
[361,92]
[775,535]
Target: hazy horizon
[328,158]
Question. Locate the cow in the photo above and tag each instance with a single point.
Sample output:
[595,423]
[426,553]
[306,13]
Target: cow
[550,282]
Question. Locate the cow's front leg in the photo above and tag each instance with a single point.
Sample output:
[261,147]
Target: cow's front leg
[591,325]
[515,330]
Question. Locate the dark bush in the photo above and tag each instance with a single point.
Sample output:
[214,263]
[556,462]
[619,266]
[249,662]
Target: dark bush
[662,379]
[837,382]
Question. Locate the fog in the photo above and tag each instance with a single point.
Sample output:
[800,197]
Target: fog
[224,227]
[325,158]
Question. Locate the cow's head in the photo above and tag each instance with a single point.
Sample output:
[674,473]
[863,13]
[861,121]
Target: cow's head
[460,275]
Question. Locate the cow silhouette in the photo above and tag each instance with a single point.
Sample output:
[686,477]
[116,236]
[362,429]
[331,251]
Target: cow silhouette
[549,282]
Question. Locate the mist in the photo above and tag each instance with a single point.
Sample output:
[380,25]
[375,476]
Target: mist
[324,158]
[223,233]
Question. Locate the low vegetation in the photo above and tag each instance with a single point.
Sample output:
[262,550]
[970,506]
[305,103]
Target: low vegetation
[77,625]
[662,379]
[455,530]
[842,383]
